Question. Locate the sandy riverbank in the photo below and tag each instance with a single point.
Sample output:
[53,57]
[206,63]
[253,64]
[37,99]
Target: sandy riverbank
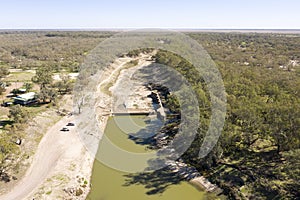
[115,76]
[62,165]
[70,175]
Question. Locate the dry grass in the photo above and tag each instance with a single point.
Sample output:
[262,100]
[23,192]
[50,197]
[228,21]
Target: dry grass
[19,77]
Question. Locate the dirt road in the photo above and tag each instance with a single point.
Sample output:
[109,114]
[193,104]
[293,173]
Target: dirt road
[55,149]
[53,146]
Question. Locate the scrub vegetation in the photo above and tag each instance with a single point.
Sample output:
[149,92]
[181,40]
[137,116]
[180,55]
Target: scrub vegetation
[257,156]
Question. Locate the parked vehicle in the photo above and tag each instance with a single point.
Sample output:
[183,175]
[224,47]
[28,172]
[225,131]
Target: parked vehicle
[64,129]
[70,124]
[7,104]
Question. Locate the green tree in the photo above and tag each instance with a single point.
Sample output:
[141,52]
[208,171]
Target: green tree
[4,71]
[284,123]
[65,85]
[7,148]
[47,94]
[28,86]
[43,77]
[2,87]
[18,114]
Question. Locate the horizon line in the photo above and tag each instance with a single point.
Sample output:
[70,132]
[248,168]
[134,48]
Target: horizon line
[287,30]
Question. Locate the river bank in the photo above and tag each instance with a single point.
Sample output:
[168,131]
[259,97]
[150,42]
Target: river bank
[111,83]
[110,184]
[133,97]
[63,164]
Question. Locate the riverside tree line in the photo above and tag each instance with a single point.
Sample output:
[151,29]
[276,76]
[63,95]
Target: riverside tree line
[257,156]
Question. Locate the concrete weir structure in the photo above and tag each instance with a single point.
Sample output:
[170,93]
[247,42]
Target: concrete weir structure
[132,112]
[160,111]
[130,94]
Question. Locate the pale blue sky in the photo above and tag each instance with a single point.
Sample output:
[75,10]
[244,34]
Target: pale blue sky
[252,14]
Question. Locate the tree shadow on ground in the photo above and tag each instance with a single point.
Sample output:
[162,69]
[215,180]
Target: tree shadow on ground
[5,177]
[255,168]
[155,182]
[37,104]
[3,123]
[146,135]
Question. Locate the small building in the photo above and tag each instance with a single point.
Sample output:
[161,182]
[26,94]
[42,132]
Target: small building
[25,99]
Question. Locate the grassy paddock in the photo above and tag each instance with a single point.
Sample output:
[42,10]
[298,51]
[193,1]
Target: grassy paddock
[19,77]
